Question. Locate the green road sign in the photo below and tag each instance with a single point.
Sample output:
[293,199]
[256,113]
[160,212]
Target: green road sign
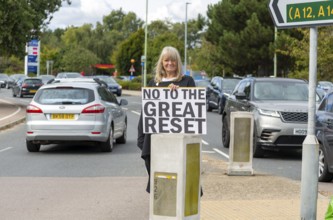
[298,13]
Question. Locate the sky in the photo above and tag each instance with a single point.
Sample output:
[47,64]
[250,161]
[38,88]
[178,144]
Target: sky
[91,11]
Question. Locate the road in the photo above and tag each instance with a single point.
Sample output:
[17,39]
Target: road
[68,170]
[287,165]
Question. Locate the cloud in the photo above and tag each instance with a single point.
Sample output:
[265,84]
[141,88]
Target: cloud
[90,11]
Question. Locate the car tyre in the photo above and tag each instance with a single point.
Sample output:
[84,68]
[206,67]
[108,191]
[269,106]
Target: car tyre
[225,133]
[31,147]
[324,175]
[123,138]
[258,152]
[219,108]
[20,94]
[208,108]
[119,94]
[107,146]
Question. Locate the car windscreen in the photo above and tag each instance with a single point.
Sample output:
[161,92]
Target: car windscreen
[279,90]
[230,84]
[65,96]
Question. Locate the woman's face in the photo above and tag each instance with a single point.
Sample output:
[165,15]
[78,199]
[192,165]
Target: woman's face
[170,65]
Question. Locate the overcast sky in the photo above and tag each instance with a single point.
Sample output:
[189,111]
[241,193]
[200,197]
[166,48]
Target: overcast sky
[92,11]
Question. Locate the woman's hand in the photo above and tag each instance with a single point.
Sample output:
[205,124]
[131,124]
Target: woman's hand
[173,86]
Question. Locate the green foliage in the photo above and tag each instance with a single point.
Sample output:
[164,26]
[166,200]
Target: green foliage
[22,20]
[78,59]
[131,48]
[242,31]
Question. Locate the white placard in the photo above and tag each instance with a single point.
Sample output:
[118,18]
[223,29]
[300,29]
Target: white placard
[174,111]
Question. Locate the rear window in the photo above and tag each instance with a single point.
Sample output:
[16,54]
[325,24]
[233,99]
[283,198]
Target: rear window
[65,96]
[33,81]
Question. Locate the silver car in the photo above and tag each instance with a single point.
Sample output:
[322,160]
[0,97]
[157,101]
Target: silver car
[280,108]
[75,110]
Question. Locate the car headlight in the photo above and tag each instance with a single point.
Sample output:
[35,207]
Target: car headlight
[269,113]
[120,87]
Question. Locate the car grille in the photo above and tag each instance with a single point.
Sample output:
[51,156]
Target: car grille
[294,116]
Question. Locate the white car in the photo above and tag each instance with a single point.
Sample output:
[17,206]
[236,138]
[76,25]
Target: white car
[75,110]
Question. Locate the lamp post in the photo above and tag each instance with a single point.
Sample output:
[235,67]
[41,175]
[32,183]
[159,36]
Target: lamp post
[185,43]
[146,33]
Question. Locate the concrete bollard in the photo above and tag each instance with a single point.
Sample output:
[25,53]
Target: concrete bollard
[175,177]
[241,143]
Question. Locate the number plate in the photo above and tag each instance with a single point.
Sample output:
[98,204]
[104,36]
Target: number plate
[33,91]
[62,116]
[300,131]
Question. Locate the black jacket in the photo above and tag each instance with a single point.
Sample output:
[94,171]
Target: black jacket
[143,140]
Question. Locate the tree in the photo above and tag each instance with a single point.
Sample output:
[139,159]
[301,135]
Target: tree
[78,59]
[242,31]
[22,20]
[131,48]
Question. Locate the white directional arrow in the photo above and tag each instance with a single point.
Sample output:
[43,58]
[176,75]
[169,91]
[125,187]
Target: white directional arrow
[298,13]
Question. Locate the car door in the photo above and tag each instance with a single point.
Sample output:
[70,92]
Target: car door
[217,90]
[325,124]
[114,109]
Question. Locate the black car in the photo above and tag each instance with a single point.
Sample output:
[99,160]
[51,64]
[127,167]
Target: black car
[324,133]
[217,91]
[26,86]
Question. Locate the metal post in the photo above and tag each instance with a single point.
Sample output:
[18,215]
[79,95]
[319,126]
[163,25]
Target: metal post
[275,56]
[309,183]
[146,36]
[185,44]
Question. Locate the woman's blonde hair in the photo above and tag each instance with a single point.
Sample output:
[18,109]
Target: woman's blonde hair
[172,54]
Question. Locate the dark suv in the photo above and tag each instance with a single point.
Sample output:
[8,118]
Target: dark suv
[217,91]
[279,106]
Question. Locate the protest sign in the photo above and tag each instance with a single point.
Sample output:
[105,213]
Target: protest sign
[174,111]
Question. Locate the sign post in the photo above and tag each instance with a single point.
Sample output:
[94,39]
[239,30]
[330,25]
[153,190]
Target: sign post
[306,13]
[301,13]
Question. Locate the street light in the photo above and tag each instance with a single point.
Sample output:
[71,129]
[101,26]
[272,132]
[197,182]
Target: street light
[146,33]
[185,53]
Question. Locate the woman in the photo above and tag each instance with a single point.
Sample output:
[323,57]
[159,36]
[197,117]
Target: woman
[168,74]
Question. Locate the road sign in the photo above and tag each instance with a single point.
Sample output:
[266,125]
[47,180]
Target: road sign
[298,13]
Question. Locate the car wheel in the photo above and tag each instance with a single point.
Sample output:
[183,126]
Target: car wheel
[258,152]
[107,146]
[31,147]
[123,138]
[219,108]
[225,133]
[208,108]
[324,175]
[119,94]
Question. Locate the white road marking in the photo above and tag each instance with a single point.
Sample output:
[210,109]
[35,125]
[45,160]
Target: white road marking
[8,148]
[208,152]
[220,152]
[135,112]
[11,115]
[204,142]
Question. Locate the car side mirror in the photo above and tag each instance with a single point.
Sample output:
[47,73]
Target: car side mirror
[240,95]
[123,102]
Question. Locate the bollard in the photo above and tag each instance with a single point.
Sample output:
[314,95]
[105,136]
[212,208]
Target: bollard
[175,177]
[241,144]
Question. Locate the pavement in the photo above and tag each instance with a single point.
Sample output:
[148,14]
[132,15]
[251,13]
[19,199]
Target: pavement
[258,197]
